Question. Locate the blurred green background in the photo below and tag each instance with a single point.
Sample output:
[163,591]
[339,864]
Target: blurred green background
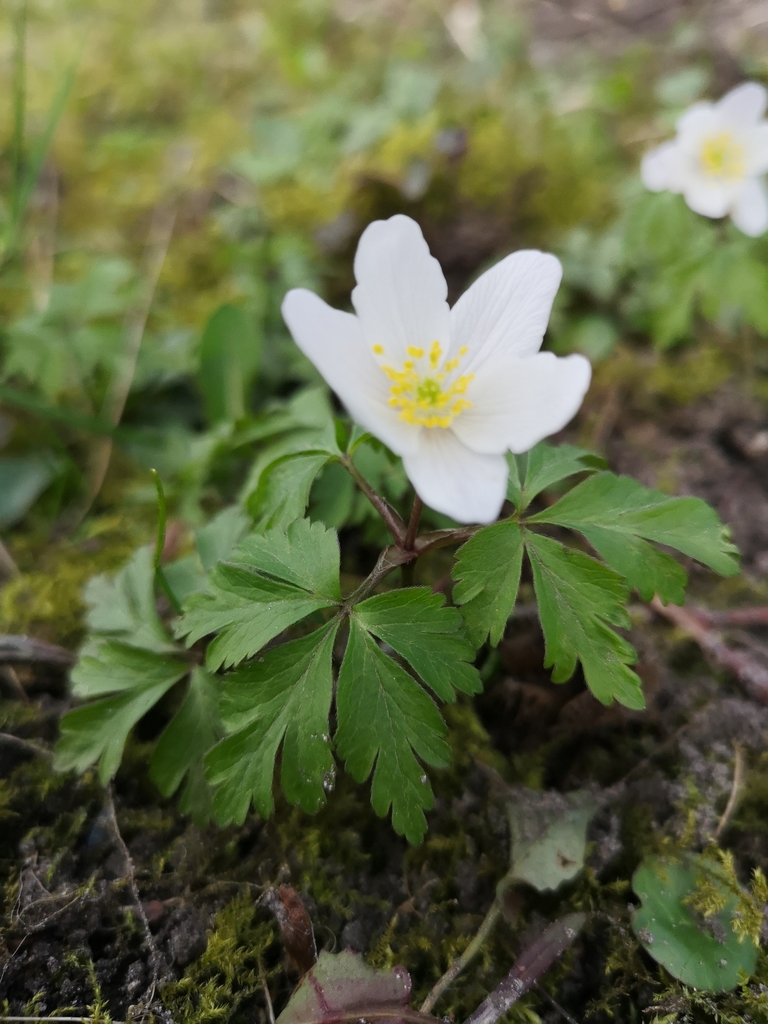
[169,170]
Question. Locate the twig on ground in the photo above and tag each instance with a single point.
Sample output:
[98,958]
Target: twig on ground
[752,676]
[534,962]
[25,746]
[66,1020]
[9,674]
[27,648]
[267,996]
[736,788]
[156,959]
[554,1003]
[754,616]
[7,564]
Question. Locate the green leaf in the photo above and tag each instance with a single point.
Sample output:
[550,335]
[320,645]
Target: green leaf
[194,729]
[98,731]
[543,466]
[578,598]
[549,835]
[705,954]
[123,606]
[618,516]
[23,479]
[214,542]
[282,493]
[273,580]
[229,355]
[386,719]
[282,698]
[487,572]
[417,624]
[217,538]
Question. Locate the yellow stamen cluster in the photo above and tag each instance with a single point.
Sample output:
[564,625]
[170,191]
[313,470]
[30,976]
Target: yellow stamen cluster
[722,156]
[423,390]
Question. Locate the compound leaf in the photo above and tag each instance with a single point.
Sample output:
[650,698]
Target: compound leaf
[282,698]
[418,625]
[579,600]
[487,572]
[272,581]
[543,466]
[123,606]
[386,719]
[618,516]
[98,731]
[282,493]
[179,752]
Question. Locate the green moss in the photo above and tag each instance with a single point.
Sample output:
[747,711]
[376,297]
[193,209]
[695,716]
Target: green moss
[225,982]
[45,601]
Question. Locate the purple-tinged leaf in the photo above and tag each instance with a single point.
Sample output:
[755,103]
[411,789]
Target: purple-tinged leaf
[342,987]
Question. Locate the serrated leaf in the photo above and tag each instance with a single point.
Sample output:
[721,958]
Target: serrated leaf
[618,515]
[418,625]
[123,606]
[579,599]
[194,729]
[487,574]
[282,494]
[342,986]
[549,835]
[545,465]
[696,953]
[214,542]
[284,698]
[273,581]
[646,568]
[111,666]
[386,720]
[98,731]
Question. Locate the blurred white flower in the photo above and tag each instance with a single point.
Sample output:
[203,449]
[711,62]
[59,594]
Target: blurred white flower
[716,160]
[450,390]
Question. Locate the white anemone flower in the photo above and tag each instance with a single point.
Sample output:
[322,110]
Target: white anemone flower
[716,160]
[449,390]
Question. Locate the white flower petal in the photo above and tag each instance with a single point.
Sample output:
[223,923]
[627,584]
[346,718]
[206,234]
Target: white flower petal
[518,402]
[660,169]
[756,145]
[698,118]
[401,293]
[750,212]
[451,479]
[710,197]
[506,309]
[744,105]
[333,341]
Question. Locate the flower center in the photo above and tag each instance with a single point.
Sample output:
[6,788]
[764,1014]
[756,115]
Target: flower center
[722,156]
[426,391]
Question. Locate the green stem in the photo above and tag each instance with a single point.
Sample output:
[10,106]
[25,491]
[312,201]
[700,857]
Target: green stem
[476,944]
[413,524]
[19,103]
[392,520]
[160,576]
